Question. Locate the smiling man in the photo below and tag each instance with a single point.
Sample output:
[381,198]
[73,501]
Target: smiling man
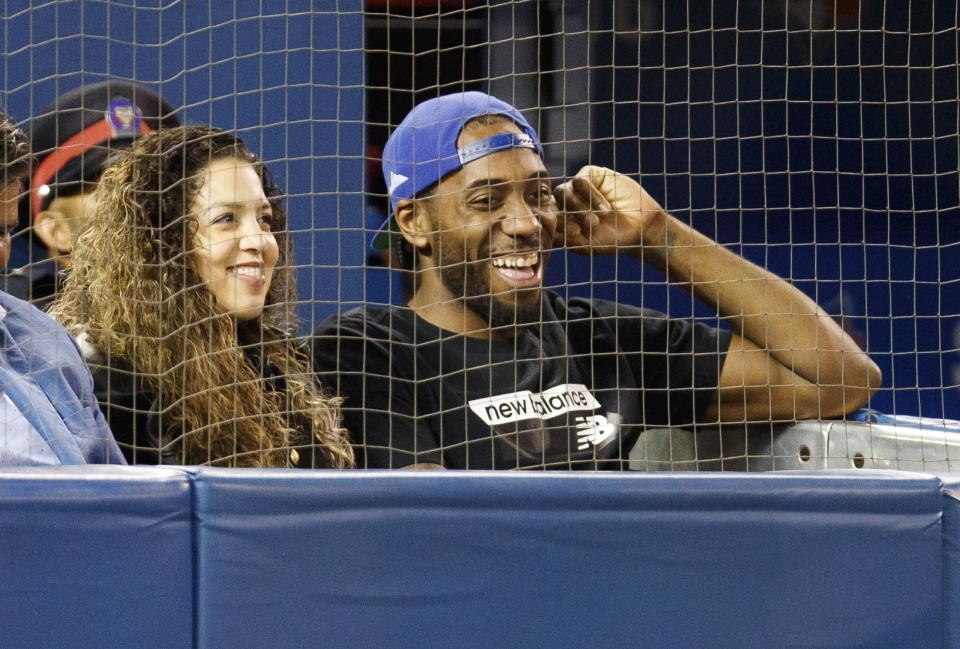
[485,369]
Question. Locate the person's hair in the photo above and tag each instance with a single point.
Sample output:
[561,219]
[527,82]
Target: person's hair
[135,293]
[17,161]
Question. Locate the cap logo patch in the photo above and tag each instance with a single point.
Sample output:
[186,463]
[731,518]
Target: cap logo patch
[123,117]
[395,181]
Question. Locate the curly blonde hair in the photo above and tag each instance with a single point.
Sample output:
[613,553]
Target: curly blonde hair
[134,293]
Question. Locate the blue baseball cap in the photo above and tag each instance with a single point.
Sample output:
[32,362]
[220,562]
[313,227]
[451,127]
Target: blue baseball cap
[423,148]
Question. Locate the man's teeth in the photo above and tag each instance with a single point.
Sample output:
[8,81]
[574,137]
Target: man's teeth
[517,261]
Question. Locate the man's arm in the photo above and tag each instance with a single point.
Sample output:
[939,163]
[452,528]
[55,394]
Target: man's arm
[788,359]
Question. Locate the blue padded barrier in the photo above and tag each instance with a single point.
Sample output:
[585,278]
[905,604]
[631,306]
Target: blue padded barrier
[482,560]
[951,561]
[93,557]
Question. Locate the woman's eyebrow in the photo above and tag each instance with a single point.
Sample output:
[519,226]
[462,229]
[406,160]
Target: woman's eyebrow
[264,204]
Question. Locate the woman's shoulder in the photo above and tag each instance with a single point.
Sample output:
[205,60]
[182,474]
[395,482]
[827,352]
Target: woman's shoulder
[111,374]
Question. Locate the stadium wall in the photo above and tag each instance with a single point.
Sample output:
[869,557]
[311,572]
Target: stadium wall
[211,558]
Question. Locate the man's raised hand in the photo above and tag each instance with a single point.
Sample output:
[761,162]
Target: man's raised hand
[603,212]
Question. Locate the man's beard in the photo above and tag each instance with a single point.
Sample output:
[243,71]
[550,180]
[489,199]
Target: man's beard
[471,282]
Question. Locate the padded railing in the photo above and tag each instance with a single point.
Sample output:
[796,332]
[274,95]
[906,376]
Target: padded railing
[219,558]
[873,441]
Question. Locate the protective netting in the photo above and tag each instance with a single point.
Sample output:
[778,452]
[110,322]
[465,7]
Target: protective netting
[819,139]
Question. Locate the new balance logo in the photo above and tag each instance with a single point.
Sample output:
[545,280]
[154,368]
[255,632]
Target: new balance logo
[595,430]
[516,406]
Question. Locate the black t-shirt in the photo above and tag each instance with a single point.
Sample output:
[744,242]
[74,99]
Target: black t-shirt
[574,391]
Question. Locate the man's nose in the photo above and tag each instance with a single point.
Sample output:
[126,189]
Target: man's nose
[521,219]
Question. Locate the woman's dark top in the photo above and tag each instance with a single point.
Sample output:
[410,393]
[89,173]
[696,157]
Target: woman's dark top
[135,414]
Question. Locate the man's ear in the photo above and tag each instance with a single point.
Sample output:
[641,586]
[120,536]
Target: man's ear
[413,222]
[52,228]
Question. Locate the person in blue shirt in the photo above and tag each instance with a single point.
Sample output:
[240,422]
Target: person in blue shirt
[48,412]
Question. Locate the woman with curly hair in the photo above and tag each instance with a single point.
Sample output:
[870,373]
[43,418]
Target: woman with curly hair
[180,294]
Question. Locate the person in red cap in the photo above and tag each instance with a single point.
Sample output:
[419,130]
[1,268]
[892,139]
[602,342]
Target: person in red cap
[73,140]
[485,368]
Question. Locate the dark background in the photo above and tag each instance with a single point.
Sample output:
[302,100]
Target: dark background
[819,138]
[286,76]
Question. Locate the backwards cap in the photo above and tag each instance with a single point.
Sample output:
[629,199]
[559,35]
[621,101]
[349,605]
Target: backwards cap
[76,135]
[423,148]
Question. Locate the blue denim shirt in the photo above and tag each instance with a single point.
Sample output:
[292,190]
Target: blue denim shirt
[44,375]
